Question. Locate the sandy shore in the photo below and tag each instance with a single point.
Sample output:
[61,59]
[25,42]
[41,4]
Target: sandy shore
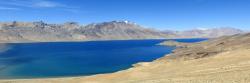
[226,67]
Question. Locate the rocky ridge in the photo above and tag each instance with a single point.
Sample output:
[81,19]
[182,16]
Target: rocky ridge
[72,31]
[205,33]
[18,32]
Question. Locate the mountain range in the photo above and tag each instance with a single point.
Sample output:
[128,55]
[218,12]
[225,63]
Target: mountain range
[113,30]
[205,33]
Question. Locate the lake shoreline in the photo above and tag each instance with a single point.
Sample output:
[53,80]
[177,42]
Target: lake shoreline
[101,44]
[16,42]
[135,66]
[221,60]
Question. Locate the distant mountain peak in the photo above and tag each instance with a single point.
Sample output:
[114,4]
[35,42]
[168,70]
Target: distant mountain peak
[201,28]
[206,32]
[116,22]
[123,21]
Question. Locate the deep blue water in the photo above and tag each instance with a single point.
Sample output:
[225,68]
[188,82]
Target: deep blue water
[39,60]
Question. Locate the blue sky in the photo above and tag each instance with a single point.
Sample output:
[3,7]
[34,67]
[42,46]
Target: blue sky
[159,14]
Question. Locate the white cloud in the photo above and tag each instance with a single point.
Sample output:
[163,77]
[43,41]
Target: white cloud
[202,28]
[47,4]
[8,8]
[21,4]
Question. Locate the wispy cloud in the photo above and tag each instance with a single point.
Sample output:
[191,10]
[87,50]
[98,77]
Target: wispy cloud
[8,8]
[21,4]
[47,4]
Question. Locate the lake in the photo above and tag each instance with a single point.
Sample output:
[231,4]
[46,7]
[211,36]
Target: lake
[63,59]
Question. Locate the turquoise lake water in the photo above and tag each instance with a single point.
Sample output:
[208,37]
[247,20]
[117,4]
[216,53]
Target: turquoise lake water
[62,59]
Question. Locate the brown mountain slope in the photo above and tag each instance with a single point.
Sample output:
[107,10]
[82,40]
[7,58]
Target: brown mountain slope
[212,47]
[71,31]
[206,33]
[114,30]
